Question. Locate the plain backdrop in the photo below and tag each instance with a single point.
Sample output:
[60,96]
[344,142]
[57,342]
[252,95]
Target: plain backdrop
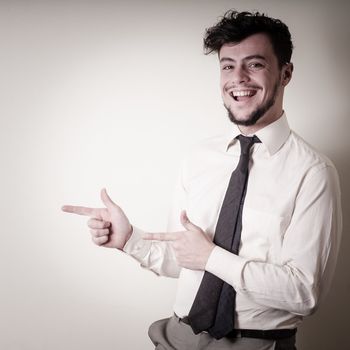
[111,94]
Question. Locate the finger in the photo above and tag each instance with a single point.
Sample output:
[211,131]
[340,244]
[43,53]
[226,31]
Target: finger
[107,201]
[100,240]
[100,232]
[160,236]
[96,223]
[187,224]
[78,210]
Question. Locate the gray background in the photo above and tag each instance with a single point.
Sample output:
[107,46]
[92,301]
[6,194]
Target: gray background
[111,94]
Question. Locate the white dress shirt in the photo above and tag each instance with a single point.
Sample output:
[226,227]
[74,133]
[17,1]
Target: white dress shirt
[291,225]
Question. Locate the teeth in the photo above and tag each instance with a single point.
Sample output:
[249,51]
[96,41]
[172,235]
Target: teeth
[241,93]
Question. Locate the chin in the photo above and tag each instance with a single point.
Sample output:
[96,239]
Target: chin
[240,121]
[250,118]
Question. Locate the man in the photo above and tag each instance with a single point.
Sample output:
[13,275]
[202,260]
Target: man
[259,250]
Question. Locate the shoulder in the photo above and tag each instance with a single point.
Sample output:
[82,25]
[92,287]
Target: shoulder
[210,146]
[213,143]
[309,162]
[205,155]
[306,154]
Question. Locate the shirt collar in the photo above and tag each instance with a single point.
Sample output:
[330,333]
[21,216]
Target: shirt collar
[273,136]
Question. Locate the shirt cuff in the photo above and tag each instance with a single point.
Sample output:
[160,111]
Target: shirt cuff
[227,266]
[136,246]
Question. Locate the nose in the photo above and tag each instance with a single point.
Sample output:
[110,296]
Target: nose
[239,75]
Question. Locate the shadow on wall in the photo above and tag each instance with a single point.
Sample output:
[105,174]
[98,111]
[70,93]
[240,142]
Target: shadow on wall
[328,328]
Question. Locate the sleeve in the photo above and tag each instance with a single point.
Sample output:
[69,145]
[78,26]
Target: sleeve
[158,256]
[308,256]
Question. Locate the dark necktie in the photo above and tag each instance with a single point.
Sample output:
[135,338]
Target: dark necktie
[213,307]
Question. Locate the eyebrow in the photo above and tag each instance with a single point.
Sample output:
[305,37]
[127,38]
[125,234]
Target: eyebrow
[229,59]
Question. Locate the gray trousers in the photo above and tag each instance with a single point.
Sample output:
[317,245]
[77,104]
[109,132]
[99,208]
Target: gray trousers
[172,334]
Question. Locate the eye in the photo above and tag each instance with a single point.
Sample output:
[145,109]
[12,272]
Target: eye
[227,67]
[255,65]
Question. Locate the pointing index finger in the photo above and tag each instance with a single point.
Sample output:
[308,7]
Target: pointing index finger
[74,209]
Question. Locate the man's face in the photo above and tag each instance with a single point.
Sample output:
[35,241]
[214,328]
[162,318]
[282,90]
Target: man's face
[251,81]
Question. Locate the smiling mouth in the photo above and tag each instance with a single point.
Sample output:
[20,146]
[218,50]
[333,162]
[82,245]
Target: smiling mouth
[242,95]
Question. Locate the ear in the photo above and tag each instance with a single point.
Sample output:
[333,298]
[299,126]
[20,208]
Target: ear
[287,72]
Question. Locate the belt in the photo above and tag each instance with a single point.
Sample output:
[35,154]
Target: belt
[272,334]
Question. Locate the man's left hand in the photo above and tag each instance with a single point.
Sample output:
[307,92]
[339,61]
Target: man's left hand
[192,247]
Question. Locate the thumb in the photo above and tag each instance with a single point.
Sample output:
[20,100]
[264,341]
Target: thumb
[107,201]
[187,224]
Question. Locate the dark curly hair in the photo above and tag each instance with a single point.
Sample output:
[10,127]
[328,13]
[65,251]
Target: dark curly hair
[235,26]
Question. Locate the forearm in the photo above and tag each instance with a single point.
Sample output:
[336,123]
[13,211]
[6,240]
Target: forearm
[155,256]
[275,286]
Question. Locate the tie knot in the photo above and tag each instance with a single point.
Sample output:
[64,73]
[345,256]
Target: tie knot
[247,142]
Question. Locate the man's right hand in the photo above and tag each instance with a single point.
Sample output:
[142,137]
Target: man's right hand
[109,226]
